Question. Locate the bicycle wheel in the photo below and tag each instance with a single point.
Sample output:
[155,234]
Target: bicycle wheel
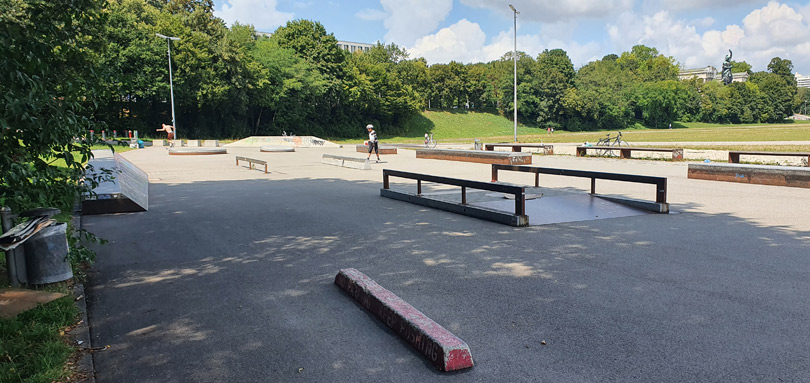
[433,143]
[602,152]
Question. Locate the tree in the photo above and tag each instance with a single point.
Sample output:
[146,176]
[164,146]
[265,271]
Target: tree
[554,75]
[783,68]
[49,84]
[740,67]
[778,95]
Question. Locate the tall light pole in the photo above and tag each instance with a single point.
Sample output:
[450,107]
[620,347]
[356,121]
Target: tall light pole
[171,86]
[514,58]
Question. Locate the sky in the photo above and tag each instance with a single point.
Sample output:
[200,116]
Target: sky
[696,33]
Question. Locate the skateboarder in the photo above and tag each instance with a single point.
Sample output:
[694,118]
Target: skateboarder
[372,142]
[169,131]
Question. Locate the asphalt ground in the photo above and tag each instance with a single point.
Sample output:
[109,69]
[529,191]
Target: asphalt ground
[229,278]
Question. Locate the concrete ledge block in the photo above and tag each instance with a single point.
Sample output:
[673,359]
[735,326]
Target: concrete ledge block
[479,156]
[211,143]
[752,174]
[436,343]
[178,151]
[346,162]
[383,149]
[193,143]
[158,142]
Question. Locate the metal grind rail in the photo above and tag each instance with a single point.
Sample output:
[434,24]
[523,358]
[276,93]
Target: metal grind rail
[659,182]
[518,191]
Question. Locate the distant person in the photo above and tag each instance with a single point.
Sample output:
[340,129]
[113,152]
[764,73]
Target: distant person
[372,142]
[427,139]
[670,125]
[169,129]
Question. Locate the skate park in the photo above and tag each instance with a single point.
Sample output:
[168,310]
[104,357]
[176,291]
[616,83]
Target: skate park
[229,274]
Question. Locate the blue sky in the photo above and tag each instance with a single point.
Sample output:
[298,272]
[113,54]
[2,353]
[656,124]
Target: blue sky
[697,33]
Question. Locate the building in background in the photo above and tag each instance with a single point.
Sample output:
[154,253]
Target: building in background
[802,81]
[706,74]
[710,73]
[352,47]
[347,46]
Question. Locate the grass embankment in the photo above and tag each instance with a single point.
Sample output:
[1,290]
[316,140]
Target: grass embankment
[34,348]
[464,127]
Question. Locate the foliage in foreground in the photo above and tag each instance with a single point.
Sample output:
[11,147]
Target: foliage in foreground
[46,75]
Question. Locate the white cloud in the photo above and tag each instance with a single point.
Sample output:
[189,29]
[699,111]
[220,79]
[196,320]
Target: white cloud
[466,42]
[262,14]
[773,30]
[703,4]
[554,11]
[371,14]
[462,41]
[409,20]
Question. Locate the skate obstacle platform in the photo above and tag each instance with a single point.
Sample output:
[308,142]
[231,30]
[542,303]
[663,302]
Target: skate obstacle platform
[126,192]
[792,176]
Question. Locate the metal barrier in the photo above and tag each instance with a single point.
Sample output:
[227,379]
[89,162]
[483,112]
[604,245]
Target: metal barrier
[520,218]
[659,182]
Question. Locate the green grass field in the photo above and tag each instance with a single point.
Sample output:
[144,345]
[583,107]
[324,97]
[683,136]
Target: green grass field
[464,127]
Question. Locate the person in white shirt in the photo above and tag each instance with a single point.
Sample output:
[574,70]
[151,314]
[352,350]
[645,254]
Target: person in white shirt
[372,142]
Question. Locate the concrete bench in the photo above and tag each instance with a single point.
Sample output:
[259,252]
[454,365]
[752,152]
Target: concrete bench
[346,162]
[478,156]
[251,162]
[792,176]
[211,143]
[626,151]
[517,147]
[383,149]
[734,156]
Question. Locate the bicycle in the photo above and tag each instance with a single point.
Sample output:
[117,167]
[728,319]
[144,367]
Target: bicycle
[429,141]
[610,141]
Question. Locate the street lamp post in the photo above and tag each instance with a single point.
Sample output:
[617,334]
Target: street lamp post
[514,58]
[171,86]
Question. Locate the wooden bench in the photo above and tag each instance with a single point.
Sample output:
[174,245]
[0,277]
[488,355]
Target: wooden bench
[517,147]
[625,151]
[251,161]
[734,156]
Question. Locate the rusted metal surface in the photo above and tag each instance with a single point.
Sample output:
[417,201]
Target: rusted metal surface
[734,155]
[752,174]
[477,156]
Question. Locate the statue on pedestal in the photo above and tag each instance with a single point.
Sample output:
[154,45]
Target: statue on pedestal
[727,69]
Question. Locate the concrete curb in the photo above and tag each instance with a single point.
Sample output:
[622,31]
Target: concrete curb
[81,333]
[439,345]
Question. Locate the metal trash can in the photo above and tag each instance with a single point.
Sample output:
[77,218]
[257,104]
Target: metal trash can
[478,145]
[46,256]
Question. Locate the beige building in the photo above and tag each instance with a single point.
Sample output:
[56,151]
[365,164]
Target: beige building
[710,73]
[353,47]
[802,81]
[706,74]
